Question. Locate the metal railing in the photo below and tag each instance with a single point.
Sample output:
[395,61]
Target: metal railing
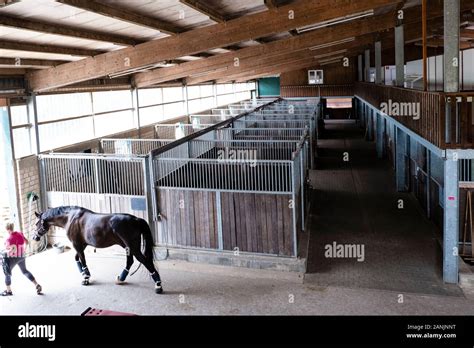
[132,146]
[204,174]
[262,133]
[103,174]
[466,170]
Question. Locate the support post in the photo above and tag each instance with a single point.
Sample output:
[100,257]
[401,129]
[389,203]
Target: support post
[451,45]
[150,189]
[400,167]
[428,183]
[378,62]
[425,48]
[360,68]
[33,119]
[186,99]
[370,124]
[220,238]
[451,219]
[380,131]
[367,66]
[400,55]
[7,163]
[136,111]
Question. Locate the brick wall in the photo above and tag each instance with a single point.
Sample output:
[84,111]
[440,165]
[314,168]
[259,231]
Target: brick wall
[28,181]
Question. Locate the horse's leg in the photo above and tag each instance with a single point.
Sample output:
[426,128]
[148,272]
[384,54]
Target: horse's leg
[151,268]
[78,263]
[121,278]
[85,271]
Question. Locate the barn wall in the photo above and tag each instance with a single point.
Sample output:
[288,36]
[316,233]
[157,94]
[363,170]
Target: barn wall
[333,75]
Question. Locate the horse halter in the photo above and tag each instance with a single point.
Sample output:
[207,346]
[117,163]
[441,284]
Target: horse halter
[40,230]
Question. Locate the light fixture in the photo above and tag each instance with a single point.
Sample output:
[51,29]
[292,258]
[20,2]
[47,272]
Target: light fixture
[335,21]
[334,43]
[162,64]
[330,54]
[330,60]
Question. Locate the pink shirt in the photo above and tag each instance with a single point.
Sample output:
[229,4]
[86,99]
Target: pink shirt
[15,244]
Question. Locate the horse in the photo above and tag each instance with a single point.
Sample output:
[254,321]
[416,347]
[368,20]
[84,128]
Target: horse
[85,227]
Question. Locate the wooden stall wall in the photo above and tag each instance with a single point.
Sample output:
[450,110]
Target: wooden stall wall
[338,81]
[251,222]
[333,75]
[259,223]
[188,219]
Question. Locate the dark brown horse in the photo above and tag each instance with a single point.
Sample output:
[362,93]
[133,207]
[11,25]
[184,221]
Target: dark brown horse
[84,227]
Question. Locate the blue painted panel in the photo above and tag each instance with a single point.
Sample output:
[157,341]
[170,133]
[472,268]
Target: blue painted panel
[138,204]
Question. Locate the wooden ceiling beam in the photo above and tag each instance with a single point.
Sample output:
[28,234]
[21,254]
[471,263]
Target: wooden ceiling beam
[467,34]
[463,45]
[412,31]
[313,38]
[298,14]
[21,62]
[205,9]
[271,4]
[122,15]
[12,71]
[273,70]
[57,29]
[284,57]
[29,47]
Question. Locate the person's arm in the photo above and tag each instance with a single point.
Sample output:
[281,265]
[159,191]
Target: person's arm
[7,245]
[24,238]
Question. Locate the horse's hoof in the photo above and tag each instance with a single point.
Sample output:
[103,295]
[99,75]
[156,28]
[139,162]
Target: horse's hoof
[85,282]
[158,289]
[120,282]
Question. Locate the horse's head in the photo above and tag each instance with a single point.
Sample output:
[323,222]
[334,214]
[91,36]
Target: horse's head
[42,227]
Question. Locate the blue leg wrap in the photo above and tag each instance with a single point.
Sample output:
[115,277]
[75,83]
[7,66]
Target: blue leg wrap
[79,266]
[123,275]
[85,272]
[156,277]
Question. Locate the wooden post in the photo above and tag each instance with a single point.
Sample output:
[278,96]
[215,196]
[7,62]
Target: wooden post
[425,49]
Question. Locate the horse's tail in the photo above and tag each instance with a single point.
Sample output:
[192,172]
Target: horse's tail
[147,239]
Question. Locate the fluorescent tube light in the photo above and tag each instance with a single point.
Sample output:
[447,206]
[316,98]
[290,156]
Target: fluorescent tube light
[335,21]
[330,54]
[330,44]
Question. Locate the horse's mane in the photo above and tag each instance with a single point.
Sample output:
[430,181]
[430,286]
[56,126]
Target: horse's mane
[53,212]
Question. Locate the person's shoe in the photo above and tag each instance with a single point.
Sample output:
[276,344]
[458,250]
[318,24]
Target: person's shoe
[6,293]
[39,289]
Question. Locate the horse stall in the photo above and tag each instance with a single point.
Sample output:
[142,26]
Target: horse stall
[194,192]
[103,183]
[280,122]
[206,200]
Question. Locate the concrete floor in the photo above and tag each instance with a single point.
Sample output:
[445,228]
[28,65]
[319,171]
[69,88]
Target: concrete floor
[399,277]
[356,203]
[203,290]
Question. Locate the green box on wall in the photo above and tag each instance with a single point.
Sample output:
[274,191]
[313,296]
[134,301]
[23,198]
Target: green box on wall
[269,86]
